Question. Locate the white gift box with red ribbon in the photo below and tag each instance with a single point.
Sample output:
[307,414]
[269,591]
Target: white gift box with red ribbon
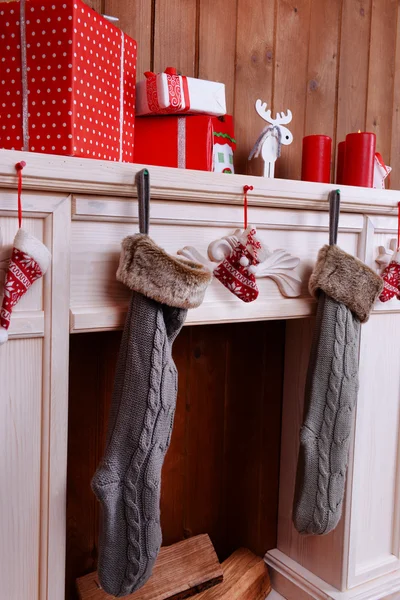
[170,93]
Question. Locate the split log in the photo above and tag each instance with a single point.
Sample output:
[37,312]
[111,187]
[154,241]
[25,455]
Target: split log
[245,578]
[182,570]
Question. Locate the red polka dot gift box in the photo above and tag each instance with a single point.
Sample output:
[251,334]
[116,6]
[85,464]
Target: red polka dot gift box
[67,81]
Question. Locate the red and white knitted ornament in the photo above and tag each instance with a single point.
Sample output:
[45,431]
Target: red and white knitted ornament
[391,273]
[237,270]
[29,261]
[391,278]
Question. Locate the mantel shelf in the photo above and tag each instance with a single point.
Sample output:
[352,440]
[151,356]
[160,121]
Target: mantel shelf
[76,175]
[189,209]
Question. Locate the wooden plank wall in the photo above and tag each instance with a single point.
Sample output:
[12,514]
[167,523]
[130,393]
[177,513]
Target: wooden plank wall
[221,472]
[334,63]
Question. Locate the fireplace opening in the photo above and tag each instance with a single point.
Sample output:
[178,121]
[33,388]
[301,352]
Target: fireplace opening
[221,472]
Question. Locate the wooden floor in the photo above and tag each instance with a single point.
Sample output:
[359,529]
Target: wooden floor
[221,472]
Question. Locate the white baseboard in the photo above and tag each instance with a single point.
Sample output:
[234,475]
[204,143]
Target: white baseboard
[296,583]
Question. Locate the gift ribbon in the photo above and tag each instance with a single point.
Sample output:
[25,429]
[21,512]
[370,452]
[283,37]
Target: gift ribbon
[182,143]
[185,88]
[24,72]
[121,96]
[175,92]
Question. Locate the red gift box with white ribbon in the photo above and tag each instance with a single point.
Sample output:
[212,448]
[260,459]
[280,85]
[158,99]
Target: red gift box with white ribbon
[170,93]
[188,142]
[67,81]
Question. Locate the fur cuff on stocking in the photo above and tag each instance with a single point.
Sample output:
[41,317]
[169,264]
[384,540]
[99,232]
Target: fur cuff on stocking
[146,268]
[346,279]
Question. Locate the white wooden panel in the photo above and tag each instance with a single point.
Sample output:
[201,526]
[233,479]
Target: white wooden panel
[321,554]
[26,324]
[33,452]
[95,208]
[96,249]
[374,546]
[294,582]
[20,450]
[372,525]
[34,203]
[55,404]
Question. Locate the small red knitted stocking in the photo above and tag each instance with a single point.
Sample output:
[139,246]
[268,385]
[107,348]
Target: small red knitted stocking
[236,272]
[391,274]
[391,278]
[29,261]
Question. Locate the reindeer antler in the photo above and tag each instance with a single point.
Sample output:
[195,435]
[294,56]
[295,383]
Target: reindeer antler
[281,118]
[261,108]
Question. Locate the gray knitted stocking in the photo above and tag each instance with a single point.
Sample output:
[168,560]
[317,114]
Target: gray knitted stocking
[128,480]
[324,438]
[346,290]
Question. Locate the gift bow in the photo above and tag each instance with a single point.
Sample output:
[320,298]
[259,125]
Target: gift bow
[168,70]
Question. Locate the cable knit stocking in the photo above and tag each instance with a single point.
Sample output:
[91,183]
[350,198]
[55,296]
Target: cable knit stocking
[346,290]
[325,435]
[128,481]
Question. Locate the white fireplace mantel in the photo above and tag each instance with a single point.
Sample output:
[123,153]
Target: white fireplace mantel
[82,209]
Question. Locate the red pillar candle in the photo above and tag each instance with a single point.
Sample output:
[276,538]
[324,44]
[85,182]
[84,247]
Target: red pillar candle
[359,160]
[340,158]
[316,163]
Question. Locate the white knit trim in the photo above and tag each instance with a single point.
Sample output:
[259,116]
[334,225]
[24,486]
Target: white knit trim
[3,335]
[29,244]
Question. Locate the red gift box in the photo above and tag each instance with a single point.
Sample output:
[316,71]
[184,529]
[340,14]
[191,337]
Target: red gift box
[67,81]
[190,142]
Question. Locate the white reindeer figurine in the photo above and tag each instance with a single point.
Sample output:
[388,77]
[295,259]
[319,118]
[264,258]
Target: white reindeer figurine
[271,138]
